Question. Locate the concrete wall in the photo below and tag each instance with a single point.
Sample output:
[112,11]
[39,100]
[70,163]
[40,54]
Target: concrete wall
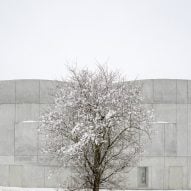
[167,157]
[21,161]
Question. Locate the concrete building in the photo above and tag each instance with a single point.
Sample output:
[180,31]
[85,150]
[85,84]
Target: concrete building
[166,163]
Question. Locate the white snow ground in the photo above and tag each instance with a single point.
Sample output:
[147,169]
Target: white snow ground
[57,189]
[42,189]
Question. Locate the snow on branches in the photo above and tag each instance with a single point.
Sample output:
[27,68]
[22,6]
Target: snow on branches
[96,124]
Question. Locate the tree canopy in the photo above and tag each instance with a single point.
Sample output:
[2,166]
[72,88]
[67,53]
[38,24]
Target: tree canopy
[97,125]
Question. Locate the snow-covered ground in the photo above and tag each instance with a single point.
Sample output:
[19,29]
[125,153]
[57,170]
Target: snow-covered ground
[39,189]
[53,189]
[28,189]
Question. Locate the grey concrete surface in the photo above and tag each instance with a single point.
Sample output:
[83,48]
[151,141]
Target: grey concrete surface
[148,91]
[47,90]
[16,175]
[182,129]
[7,89]
[27,91]
[165,112]
[175,177]
[33,176]
[25,112]
[167,156]
[164,91]
[189,91]
[182,93]
[189,129]
[170,142]
[155,146]
[4,175]
[26,139]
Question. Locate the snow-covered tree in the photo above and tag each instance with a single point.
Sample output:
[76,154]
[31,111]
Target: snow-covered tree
[96,125]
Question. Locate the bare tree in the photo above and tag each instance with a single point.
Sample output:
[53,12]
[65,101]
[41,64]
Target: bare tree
[96,125]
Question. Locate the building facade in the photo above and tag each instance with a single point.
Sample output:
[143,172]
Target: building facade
[165,164]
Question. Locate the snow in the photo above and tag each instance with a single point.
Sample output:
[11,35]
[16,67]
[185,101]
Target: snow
[160,122]
[54,189]
[26,189]
[30,121]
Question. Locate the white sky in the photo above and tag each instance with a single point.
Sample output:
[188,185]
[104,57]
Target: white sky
[141,38]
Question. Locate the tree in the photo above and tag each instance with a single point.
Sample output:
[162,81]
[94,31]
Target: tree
[96,125]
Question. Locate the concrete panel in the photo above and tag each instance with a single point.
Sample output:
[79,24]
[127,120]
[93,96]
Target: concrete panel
[42,145]
[182,129]
[4,175]
[156,171]
[189,91]
[27,112]
[164,91]
[131,178]
[175,177]
[15,175]
[7,114]
[6,140]
[148,106]
[7,89]
[189,129]
[25,160]
[170,139]
[155,146]
[189,172]
[175,162]
[182,91]
[65,175]
[147,87]
[47,91]
[52,177]
[7,118]
[47,160]
[27,91]
[165,112]
[6,160]
[33,176]
[26,139]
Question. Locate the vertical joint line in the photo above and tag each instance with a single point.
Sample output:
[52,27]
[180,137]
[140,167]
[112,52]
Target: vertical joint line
[15,121]
[38,125]
[187,138]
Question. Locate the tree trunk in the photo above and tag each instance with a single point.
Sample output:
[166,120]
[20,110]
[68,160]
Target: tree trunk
[96,183]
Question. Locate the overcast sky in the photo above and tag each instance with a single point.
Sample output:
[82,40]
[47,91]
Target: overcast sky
[141,38]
